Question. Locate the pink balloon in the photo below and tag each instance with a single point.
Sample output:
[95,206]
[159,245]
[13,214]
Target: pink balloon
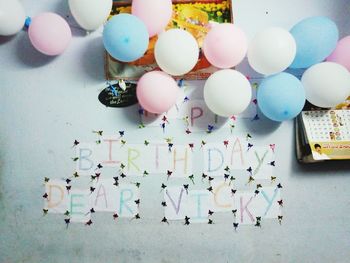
[157,91]
[341,54]
[49,33]
[225,45]
[156,14]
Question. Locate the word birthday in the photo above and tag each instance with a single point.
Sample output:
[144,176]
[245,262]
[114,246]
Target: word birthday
[235,176]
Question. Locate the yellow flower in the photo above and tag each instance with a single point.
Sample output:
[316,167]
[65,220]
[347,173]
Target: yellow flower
[218,13]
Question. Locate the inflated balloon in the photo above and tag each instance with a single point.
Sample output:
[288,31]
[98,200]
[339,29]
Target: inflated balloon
[12,17]
[49,33]
[326,84]
[281,97]
[227,92]
[225,45]
[316,38]
[341,54]
[90,14]
[157,92]
[156,14]
[271,51]
[176,52]
[125,37]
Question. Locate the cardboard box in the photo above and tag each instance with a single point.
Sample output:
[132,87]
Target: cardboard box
[197,17]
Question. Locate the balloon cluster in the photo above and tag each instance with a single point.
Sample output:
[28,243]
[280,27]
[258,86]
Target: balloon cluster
[48,32]
[311,44]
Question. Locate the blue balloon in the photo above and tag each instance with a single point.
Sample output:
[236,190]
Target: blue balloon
[281,97]
[316,38]
[125,37]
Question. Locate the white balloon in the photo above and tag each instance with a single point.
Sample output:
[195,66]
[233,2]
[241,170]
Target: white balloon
[90,14]
[326,84]
[271,51]
[12,17]
[227,92]
[176,52]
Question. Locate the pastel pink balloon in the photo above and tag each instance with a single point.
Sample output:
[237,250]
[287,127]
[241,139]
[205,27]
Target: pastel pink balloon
[156,14]
[225,45]
[49,33]
[156,91]
[341,54]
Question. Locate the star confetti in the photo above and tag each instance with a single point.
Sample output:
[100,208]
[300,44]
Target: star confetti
[280,202]
[164,220]
[186,99]
[68,181]
[210,128]
[234,212]
[203,143]
[121,133]
[92,189]
[186,187]
[191,177]
[210,179]
[204,176]
[235,226]
[187,220]
[226,143]
[123,142]
[256,192]
[231,180]
[165,119]
[188,131]
[279,185]
[66,213]
[170,146]
[163,126]
[145,173]
[210,221]
[146,143]
[227,169]
[255,101]
[250,179]
[248,136]
[232,127]
[250,170]
[137,184]
[122,166]
[98,132]
[191,145]
[273,178]
[122,175]
[210,189]
[169,173]
[280,219]
[272,147]
[45,211]
[75,143]
[67,221]
[88,223]
[272,163]
[46,179]
[256,117]
[164,203]
[210,212]
[99,166]
[226,176]
[163,186]
[98,142]
[75,159]
[137,202]
[115,216]
[249,146]
[76,175]
[233,191]
[68,187]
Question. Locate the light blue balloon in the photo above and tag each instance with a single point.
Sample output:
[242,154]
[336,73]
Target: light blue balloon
[125,37]
[281,97]
[316,38]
